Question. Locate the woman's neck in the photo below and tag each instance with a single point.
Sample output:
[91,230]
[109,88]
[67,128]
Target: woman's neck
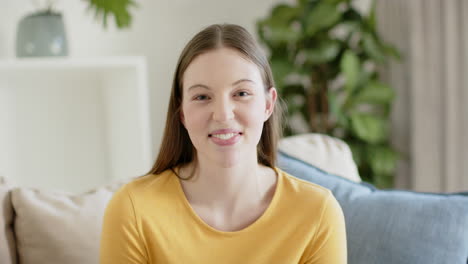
[228,189]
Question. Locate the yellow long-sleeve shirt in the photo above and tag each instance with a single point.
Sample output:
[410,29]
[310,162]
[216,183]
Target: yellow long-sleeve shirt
[149,220]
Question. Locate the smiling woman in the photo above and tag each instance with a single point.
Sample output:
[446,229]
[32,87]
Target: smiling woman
[214,193]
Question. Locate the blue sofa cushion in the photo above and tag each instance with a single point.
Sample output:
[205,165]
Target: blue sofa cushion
[394,226]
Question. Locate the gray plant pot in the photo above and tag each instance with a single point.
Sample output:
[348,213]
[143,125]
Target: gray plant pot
[41,34]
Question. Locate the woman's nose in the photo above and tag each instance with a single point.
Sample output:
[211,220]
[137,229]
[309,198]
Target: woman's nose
[223,110]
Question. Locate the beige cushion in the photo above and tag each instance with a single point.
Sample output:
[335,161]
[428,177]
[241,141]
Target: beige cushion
[7,239]
[56,227]
[322,151]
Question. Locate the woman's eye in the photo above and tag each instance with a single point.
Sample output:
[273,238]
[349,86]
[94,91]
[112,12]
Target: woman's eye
[201,97]
[242,94]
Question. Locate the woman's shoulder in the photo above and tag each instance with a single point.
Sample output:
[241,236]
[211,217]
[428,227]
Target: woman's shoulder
[303,186]
[139,195]
[305,191]
[147,184]
[311,196]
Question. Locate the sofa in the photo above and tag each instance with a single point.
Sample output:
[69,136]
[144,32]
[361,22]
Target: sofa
[383,226]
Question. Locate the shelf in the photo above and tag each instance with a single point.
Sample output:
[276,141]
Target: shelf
[47,64]
[74,123]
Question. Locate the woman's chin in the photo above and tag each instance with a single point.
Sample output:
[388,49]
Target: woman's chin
[226,158]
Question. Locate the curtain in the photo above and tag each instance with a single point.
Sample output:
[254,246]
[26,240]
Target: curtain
[430,114]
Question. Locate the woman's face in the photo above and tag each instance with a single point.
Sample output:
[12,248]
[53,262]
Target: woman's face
[224,106]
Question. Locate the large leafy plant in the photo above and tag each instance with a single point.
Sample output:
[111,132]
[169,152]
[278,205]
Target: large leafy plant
[325,56]
[103,9]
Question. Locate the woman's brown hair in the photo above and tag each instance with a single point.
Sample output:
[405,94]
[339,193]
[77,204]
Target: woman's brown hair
[176,147]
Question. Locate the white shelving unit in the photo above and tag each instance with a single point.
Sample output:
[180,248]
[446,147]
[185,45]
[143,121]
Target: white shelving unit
[72,124]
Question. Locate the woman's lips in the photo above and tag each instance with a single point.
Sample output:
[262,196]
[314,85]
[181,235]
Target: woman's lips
[225,137]
[226,142]
[225,131]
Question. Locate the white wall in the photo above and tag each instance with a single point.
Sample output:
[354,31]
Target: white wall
[160,30]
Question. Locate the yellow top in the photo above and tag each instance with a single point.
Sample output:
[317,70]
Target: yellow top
[149,220]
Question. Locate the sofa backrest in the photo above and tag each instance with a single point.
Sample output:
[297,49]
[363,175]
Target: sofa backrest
[392,226]
[59,227]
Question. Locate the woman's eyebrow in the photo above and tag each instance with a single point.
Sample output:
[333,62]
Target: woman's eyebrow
[208,88]
[198,85]
[242,80]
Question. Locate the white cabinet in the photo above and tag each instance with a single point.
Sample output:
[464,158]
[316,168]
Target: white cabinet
[74,123]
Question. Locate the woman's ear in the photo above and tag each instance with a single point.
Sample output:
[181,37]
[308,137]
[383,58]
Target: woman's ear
[270,102]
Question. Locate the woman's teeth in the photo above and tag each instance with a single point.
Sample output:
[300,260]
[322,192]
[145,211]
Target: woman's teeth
[225,136]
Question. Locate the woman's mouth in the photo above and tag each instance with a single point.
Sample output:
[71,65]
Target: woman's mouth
[225,136]
[225,139]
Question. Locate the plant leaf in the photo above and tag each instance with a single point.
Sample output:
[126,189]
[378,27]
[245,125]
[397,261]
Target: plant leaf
[276,29]
[117,8]
[368,128]
[375,92]
[104,18]
[358,151]
[352,14]
[372,48]
[281,67]
[283,34]
[335,1]
[351,68]
[322,16]
[392,50]
[282,14]
[371,19]
[383,181]
[325,52]
[382,159]
[336,109]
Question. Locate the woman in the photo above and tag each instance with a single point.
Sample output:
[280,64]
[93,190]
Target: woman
[214,194]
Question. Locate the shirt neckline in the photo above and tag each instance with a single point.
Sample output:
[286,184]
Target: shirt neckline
[264,217]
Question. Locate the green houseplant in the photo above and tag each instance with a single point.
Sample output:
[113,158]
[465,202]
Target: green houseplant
[43,33]
[103,9]
[325,56]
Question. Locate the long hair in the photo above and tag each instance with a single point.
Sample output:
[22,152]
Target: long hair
[176,147]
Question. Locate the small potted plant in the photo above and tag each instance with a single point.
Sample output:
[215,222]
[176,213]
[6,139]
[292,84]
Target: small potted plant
[43,33]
